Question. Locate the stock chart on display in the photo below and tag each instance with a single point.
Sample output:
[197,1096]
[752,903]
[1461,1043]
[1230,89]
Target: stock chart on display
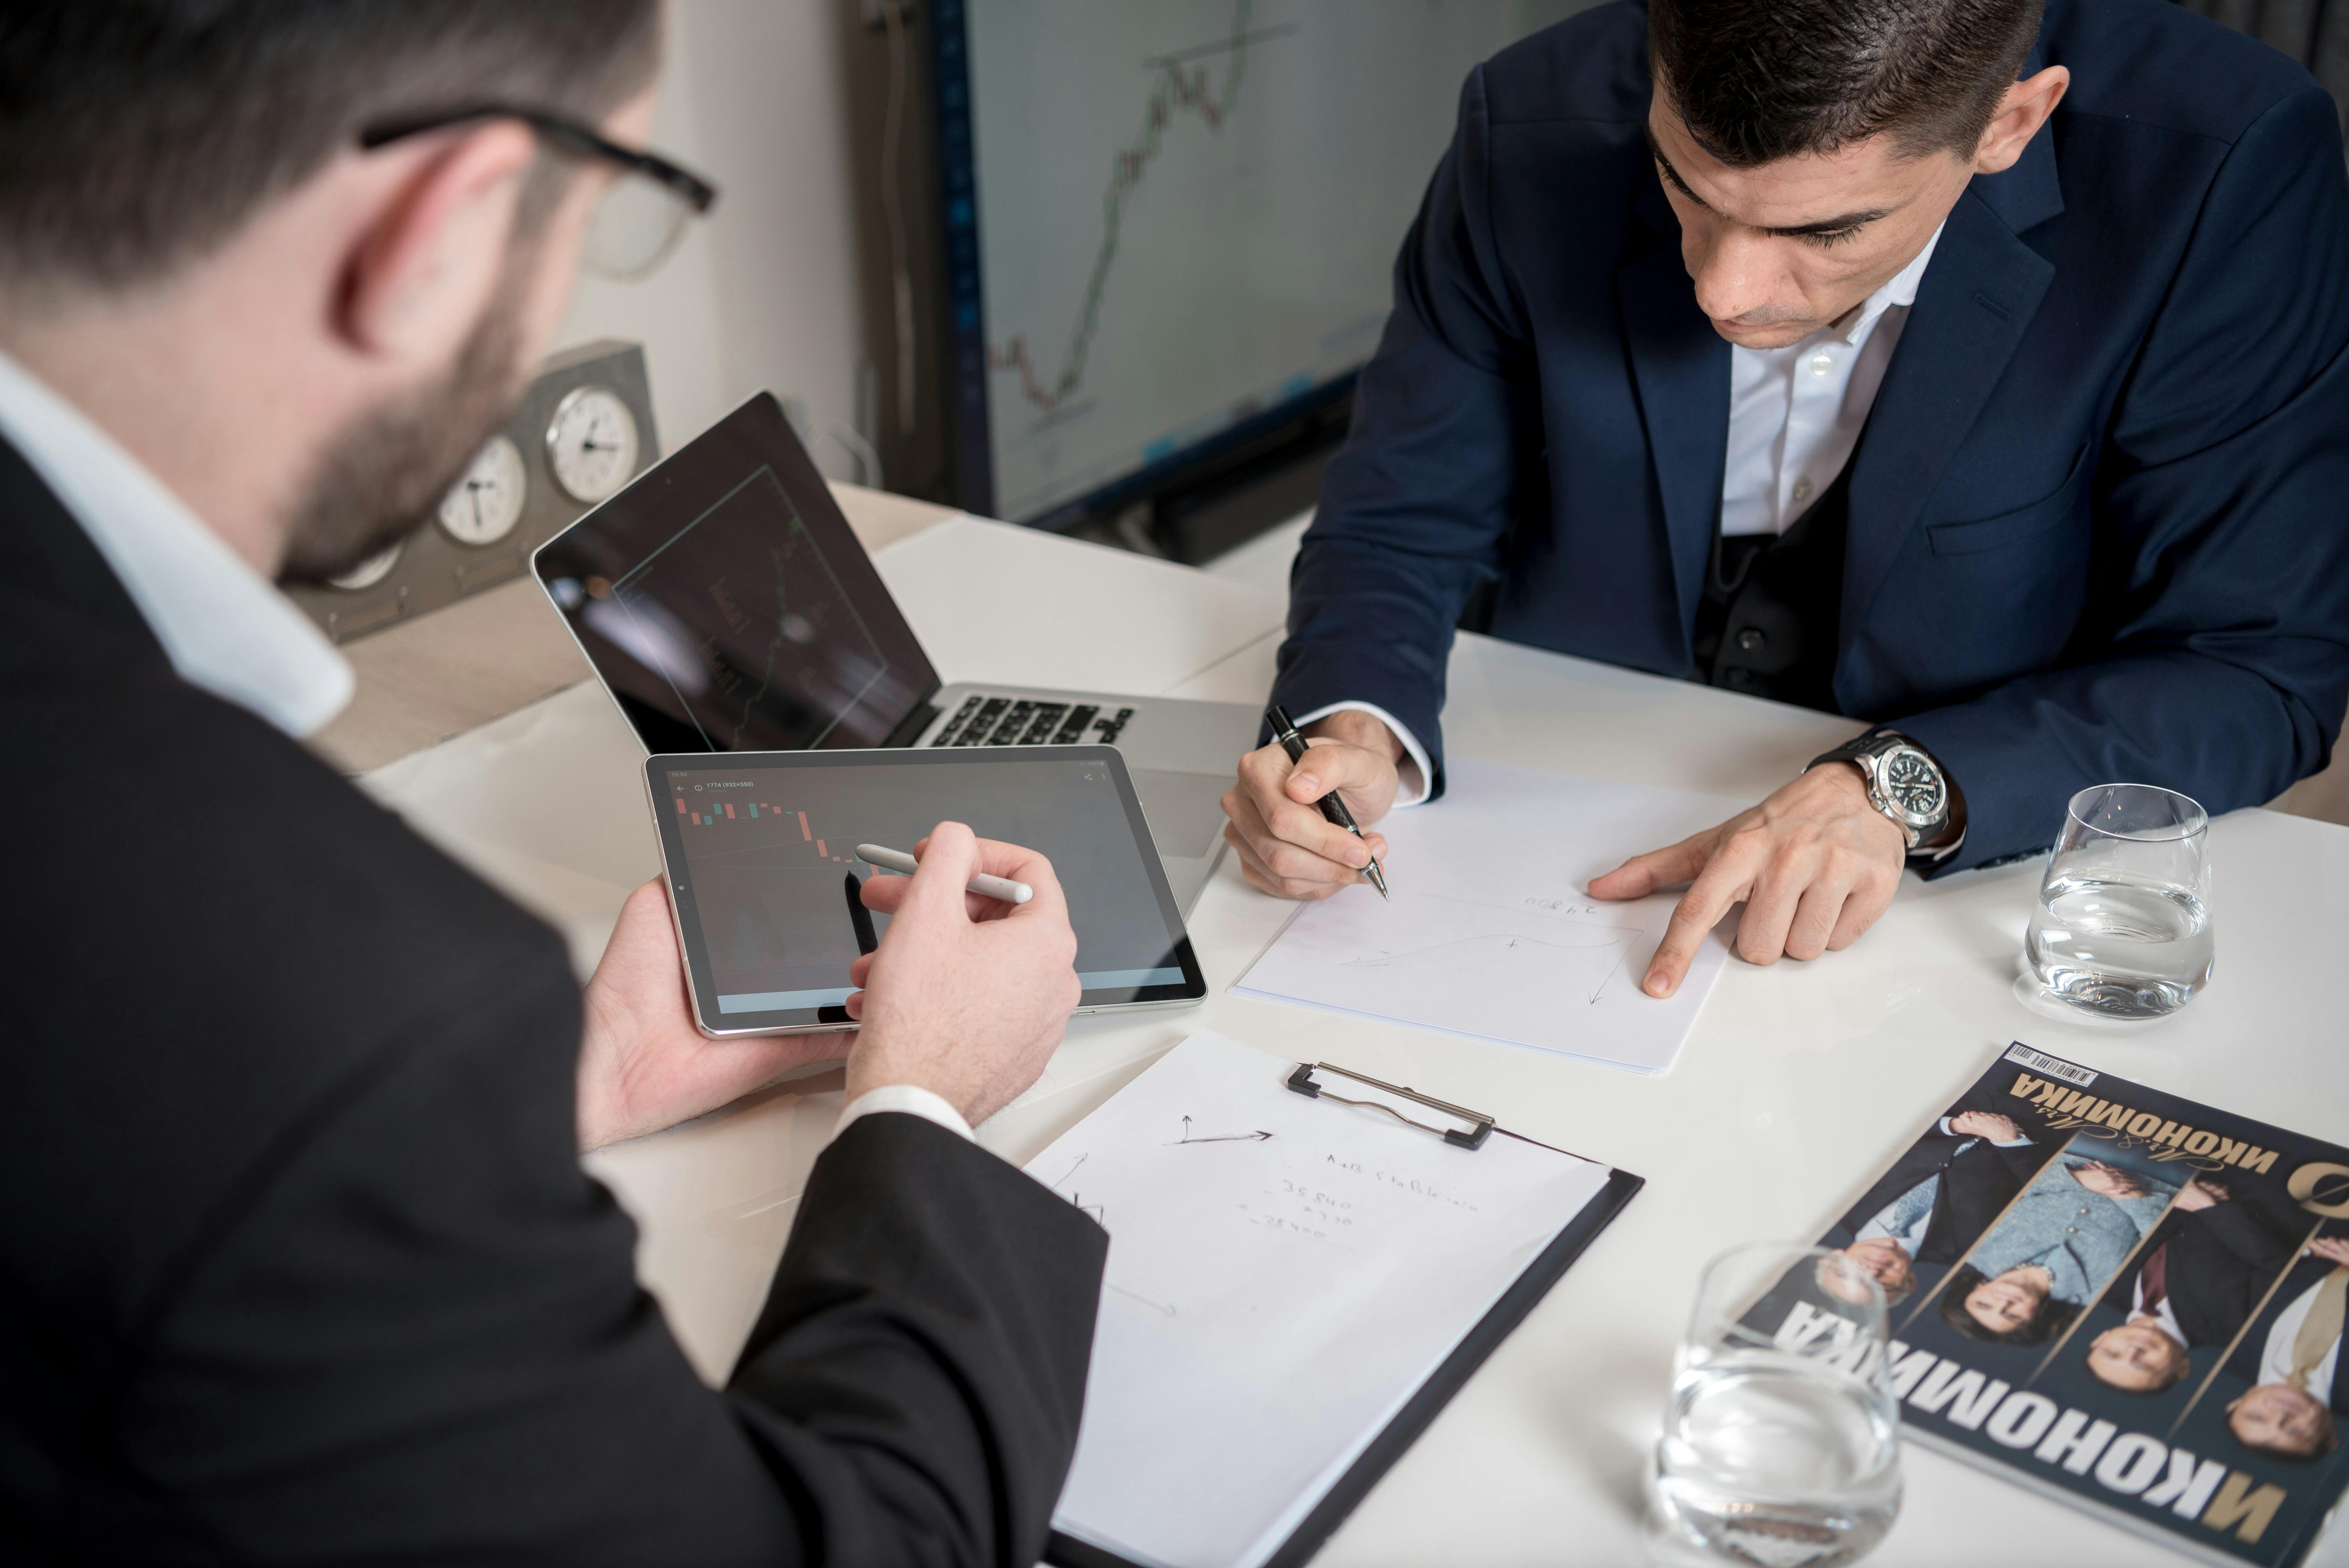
[1188,212]
[771,855]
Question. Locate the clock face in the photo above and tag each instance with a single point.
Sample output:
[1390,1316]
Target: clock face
[591,444]
[483,506]
[368,572]
[1913,783]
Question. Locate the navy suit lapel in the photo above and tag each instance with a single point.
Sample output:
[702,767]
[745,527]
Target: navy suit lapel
[1681,367]
[1972,308]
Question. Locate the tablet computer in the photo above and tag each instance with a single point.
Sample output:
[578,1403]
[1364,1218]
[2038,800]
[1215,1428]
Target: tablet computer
[761,851]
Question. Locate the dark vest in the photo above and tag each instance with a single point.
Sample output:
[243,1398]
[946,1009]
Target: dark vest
[1773,606]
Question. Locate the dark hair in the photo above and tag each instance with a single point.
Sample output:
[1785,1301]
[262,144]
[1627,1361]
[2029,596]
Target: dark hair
[136,135]
[2052,1318]
[1758,81]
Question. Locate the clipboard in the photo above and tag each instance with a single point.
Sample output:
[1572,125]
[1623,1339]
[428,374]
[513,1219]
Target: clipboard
[1419,1409]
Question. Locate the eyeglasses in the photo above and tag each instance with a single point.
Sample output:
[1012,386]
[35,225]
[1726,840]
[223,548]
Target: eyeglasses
[636,224]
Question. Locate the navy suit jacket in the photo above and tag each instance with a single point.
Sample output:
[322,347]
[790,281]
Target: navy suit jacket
[2099,522]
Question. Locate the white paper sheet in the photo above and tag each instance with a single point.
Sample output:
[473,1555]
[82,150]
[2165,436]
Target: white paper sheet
[1490,932]
[1284,1272]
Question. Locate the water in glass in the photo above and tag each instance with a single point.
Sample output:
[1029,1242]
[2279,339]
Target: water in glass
[1779,1449]
[2123,926]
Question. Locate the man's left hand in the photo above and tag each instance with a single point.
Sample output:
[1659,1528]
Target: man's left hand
[1815,865]
[642,1063]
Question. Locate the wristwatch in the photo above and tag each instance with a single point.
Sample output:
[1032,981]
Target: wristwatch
[1903,783]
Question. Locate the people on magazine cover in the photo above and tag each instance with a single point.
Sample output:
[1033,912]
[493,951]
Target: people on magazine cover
[2202,1274]
[2289,1412]
[2047,1256]
[1940,1195]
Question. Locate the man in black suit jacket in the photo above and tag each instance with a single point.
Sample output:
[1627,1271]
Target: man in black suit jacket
[2293,1360]
[1941,1194]
[299,1264]
[2197,1280]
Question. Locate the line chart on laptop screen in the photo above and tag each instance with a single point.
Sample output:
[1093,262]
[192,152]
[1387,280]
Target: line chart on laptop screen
[746,619]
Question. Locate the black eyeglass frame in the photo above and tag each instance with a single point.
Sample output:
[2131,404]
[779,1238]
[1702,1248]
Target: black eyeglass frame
[696,192]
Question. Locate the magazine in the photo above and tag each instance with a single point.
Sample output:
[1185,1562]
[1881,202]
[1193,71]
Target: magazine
[2124,1298]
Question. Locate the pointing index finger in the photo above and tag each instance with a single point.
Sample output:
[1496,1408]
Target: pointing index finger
[1718,886]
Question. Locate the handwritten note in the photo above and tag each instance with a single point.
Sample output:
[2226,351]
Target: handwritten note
[1283,1273]
[1490,934]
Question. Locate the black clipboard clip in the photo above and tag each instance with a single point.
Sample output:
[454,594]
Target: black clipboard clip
[1479,1127]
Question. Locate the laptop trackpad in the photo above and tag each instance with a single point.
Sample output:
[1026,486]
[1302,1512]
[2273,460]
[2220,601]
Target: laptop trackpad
[1185,809]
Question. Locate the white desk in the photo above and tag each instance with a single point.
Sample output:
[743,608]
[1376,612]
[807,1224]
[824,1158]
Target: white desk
[1797,1085]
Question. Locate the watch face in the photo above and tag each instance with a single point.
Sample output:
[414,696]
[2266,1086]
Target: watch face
[591,444]
[1913,784]
[483,506]
[368,572]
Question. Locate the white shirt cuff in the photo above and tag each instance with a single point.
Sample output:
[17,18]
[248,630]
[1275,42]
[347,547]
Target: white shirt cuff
[905,1097]
[1417,753]
[1949,1131]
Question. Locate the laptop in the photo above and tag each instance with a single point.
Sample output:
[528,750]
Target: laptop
[725,605]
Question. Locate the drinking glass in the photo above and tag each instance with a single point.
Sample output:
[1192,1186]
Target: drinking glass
[2123,926]
[1782,1442]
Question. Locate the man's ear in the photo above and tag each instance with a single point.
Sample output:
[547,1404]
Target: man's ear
[2020,113]
[422,270]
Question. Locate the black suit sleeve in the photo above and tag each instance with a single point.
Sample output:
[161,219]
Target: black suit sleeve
[929,1389]
[2242,1229]
[419,1339]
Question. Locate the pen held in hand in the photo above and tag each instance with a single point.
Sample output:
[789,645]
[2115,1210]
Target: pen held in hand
[1334,809]
[985,886]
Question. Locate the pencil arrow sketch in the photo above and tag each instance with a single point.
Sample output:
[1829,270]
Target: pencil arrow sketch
[1611,974]
[1218,1137]
[1153,1306]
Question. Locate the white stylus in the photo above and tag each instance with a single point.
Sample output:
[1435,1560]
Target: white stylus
[985,886]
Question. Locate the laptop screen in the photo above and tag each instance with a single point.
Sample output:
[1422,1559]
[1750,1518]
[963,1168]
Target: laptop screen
[722,599]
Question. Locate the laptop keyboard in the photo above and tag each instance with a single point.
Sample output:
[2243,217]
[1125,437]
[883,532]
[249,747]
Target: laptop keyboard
[1006,721]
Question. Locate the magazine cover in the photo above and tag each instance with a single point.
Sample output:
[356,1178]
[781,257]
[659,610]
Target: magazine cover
[2125,1298]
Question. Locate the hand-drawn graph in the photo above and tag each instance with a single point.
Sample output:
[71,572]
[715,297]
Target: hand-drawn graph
[1512,947]
[1191,1136]
[1076,1199]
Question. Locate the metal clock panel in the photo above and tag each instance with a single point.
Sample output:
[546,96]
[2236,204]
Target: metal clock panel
[513,499]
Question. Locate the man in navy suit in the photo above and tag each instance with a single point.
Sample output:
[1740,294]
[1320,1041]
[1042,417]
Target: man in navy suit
[1975,373]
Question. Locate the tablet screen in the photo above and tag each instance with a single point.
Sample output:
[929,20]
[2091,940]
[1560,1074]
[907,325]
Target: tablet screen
[760,848]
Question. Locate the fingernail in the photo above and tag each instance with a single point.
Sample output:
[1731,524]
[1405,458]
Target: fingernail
[1309,781]
[1657,985]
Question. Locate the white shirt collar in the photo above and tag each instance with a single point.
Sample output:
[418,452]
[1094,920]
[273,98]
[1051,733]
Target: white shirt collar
[225,627]
[1901,290]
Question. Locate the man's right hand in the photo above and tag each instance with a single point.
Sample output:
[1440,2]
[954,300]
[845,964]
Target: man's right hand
[1286,846]
[965,996]
[1986,1124]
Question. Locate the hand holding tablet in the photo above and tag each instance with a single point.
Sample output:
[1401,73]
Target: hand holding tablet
[770,859]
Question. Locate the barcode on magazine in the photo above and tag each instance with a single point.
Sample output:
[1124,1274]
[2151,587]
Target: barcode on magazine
[2039,1062]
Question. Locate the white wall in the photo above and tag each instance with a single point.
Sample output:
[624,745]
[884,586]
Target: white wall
[762,293]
